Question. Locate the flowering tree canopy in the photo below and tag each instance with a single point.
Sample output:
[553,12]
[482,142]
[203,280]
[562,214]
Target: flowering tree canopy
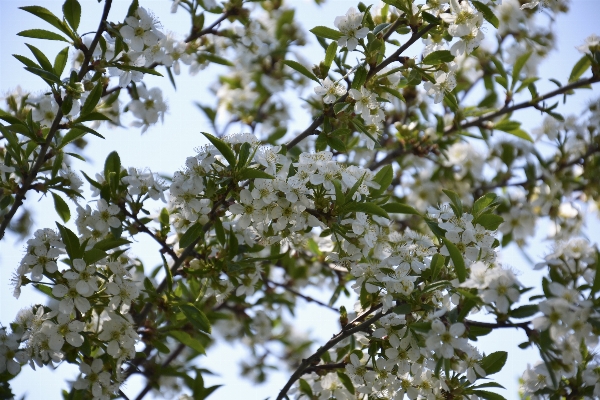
[413,175]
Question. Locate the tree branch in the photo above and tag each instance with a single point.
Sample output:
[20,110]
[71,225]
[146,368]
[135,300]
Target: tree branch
[347,331]
[303,296]
[531,103]
[41,157]
[165,364]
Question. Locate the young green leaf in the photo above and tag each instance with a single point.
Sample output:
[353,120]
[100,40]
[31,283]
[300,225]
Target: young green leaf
[93,98]
[580,67]
[222,147]
[60,61]
[399,208]
[41,34]
[196,317]
[47,16]
[250,173]
[112,164]
[494,362]
[302,69]
[41,58]
[61,208]
[186,339]
[327,33]
[487,12]
[72,13]
[457,260]
[384,178]
[191,235]
[71,242]
[330,53]
[519,64]
[438,57]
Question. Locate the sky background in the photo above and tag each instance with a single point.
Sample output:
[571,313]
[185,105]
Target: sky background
[164,149]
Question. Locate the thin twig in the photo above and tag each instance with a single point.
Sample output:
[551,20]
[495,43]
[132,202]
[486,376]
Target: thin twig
[303,296]
[531,103]
[348,331]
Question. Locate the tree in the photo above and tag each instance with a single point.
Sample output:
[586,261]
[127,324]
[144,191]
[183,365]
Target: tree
[412,176]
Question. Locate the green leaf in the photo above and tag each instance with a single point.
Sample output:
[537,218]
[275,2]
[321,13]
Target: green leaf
[579,68]
[494,362]
[456,201]
[92,100]
[150,71]
[112,164]
[250,173]
[596,284]
[487,12]
[450,100]
[217,60]
[327,33]
[168,273]
[109,244]
[133,8]
[384,178]
[340,198]
[367,208]
[72,13]
[60,61]
[47,16]
[506,125]
[457,260]
[196,317]
[399,208]
[380,28]
[189,341]
[61,208]
[484,394]
[491,222]
[93,116]
[222,147]
[475,331]
[88,130]
[71,242]
[402,309]
[360,77]
[191,235]
[41,34]
[305,388]
[519,64]
[94,255]
[520,133]
[330,53]
[41,58]
[45,75]
[524,311]
[336,144]
[302,69]
[438,57]
[484,202]
[346,381]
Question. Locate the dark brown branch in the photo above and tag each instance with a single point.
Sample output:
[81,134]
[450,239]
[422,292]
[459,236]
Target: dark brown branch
[307,132]
[41,157]
[347,331]
[395,56]
[531,103]
[208,29]
[165,248]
